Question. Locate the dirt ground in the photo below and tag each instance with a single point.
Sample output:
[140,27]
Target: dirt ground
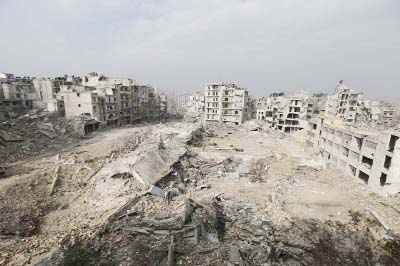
[235,196]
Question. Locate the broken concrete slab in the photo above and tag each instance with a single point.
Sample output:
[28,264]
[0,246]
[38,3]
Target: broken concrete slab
[148,163]
[156,191]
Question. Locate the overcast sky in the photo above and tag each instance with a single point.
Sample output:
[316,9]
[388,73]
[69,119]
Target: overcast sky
[176,45]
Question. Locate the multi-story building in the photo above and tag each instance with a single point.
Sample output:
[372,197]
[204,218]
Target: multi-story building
[190,104]
[389,117]
[371,155]
[47,90]
[316,105]
[17,94]
[196,103]
[226,103]
[163,103]
[267,108]
[81,100]
[290,112]
[120,101]
[344,103]
[182,103]
[293,116]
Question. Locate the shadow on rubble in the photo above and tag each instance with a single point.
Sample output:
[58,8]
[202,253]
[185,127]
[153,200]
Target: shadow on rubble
[204,235]
[21,216]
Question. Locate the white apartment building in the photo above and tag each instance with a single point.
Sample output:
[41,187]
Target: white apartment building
[226,103]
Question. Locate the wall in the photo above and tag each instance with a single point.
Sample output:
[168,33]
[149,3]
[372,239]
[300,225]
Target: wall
[77,103]
[373,157]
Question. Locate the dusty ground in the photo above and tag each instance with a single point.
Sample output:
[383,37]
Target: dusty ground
[235,197]
[313,193]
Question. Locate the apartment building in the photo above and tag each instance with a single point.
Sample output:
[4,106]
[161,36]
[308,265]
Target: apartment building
[163,103]
[190,103]
[17,94]
[344,103]
[115,101]
[17,91]
[284,112]
[47,91]
[293,116]
[267,108]
[83,100]
[182,103]
[370,155]
[226,103]
[316,105]
[196,103]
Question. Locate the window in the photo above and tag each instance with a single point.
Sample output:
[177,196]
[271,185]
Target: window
[388,162]
[363,176]
[383,179]
[78,94]
[79,105]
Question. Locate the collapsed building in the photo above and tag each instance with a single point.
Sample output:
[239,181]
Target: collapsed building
[226,103]
[290,112]
[293,116]
[286,113]
[368,154]
[267,107]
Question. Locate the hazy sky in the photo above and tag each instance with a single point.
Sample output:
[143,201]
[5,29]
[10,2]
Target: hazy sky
[181,44]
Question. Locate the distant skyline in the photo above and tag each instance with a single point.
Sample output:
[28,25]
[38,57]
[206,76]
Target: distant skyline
[264,46]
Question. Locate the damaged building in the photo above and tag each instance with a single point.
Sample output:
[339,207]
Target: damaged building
[226,103]
[110,101]
[344,103]
[17,95]
[292,111]
[283,112]
[370,155]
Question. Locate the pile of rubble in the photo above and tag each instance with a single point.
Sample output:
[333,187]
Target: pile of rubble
[33,134]
[179,221]
[157,196]
[168,226]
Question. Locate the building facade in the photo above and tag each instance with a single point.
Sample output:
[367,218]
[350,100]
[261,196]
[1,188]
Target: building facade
[17,95]
[112,101]
[372,156]
[226,103]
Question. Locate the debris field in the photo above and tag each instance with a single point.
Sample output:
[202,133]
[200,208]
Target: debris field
[191,194]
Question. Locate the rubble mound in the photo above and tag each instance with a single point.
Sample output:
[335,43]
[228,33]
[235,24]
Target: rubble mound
[33,134]
[23,218]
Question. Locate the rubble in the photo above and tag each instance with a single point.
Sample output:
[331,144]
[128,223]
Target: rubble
[33,134]
[113,205]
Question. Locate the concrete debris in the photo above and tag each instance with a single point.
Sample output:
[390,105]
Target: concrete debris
[171,251]
[379,219]
[243,169]
[156,191]
[234,256]
[203,184]
[55,179]
[278,210]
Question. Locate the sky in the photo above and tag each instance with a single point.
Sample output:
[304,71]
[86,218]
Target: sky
[179,45]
